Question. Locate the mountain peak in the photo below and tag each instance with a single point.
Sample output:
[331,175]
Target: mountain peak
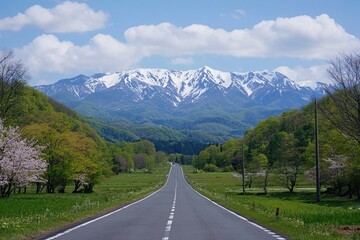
[202,100]
[182,86]
[206,68]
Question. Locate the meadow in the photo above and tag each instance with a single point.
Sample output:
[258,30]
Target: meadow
[300,217]
[30,215]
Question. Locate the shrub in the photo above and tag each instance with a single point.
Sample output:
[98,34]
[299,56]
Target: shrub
[210,168]
[228,168]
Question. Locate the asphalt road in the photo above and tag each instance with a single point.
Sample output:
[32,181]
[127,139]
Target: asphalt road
[175,212]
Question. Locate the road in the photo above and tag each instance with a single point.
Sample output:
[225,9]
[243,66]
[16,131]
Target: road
[175,212]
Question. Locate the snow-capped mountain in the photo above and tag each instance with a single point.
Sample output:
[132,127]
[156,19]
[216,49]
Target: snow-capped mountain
[204,104]
[179,87]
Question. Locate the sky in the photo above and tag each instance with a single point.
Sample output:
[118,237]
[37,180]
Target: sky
[61,39]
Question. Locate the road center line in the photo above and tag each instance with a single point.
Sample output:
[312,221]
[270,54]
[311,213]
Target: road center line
[171,217]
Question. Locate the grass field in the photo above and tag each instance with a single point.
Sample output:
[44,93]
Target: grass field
[25,216]
[300,216]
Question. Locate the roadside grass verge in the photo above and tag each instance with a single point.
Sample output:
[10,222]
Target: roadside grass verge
[27,216]
[300,217]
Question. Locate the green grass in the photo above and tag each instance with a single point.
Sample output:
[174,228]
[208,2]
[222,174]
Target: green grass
[300,216]
[25,216]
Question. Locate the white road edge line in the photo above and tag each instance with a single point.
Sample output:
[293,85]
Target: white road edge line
[110,213]
[229,211]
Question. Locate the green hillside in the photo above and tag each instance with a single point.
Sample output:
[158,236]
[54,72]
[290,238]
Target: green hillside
[75,149]
[170,134]
[285,145]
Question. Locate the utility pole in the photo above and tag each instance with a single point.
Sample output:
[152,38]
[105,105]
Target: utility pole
[318,193]
[243,168]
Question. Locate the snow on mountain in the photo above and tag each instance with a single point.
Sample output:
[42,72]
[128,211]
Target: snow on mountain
[181,86]
[109,79]
[320,88]
[203,103]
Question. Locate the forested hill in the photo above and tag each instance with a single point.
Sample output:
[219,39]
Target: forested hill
[36,109]
[285,145]
[74,151]
[73,148]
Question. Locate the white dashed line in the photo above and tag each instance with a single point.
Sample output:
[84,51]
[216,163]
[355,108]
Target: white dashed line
[171,217]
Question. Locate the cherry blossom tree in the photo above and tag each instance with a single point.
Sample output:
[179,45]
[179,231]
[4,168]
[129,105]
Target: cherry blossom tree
[20,160]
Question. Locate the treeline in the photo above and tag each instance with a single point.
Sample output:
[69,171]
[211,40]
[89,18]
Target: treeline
[285,145]
[165,139]
[127,157]
[185,147]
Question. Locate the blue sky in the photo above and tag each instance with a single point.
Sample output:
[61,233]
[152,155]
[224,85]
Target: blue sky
[60,39]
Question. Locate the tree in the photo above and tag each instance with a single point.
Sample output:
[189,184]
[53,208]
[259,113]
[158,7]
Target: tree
[69,155]
[139,160]
[20,160]
[202,159]
[58,166]
[82,154]
[144,146]
[344,95]
[161,158]
[120,164]
[287,157]
[122,157]
[256,166]
[340,163]
[261,139]
[13,76]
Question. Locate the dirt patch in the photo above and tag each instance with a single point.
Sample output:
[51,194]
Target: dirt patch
[348,230]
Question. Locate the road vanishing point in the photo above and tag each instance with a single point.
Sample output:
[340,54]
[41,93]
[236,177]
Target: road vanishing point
[175,212]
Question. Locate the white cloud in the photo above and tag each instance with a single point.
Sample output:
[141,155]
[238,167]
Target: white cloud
[103,53]
[299,37]
[64,18]
[167,39]
[182,61]
[306,76]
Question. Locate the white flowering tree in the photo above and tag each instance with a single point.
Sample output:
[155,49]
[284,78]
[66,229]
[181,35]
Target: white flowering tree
[20,160]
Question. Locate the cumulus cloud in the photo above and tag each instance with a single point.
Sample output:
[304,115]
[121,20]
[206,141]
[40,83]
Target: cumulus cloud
[103,53]
[64,18]
[301,37]
[306,76]
[168,39]
[182,61]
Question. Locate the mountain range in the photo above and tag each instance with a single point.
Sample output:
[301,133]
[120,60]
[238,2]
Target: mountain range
[204,104]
